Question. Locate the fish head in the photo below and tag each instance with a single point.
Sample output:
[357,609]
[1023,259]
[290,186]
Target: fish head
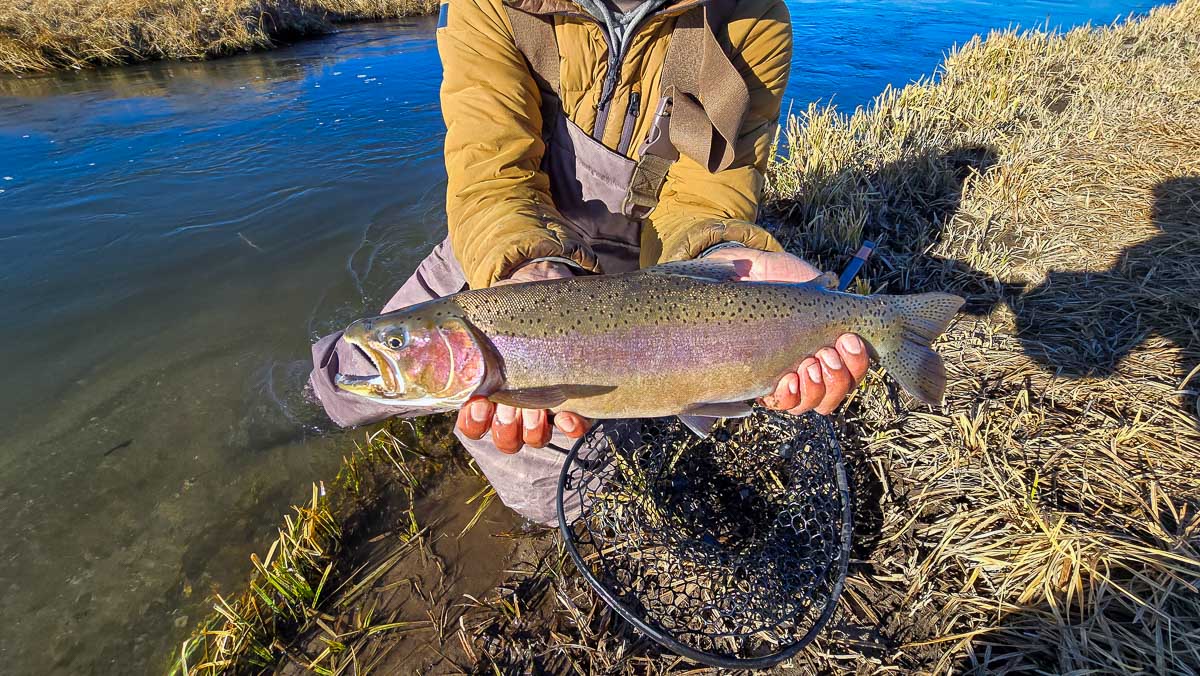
[427,357]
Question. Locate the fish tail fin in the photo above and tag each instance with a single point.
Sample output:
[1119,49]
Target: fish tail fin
[913,363]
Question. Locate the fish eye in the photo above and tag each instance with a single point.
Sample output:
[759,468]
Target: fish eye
[398,340]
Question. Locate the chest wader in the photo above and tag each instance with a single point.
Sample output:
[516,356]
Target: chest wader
[602,195]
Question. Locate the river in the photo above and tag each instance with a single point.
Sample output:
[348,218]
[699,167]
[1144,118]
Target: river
[175,234]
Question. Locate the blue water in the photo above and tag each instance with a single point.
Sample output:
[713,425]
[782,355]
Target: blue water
[174,235]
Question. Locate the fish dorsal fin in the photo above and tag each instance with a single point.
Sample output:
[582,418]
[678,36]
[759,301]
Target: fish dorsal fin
[701,269]
[547,397]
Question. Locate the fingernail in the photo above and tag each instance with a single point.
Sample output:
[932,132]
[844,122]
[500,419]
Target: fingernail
[479,411]
[831,359]
[506,414]
[532,420]
[566,424]
[851,344]
[814,373]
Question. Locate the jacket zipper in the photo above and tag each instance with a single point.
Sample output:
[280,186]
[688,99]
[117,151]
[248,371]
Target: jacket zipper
[609,86]
[631,115]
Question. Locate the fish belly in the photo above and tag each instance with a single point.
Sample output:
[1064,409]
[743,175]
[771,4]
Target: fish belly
[651,371]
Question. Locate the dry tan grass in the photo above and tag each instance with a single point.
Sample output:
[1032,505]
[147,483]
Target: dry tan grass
[1046,518]
[38,35]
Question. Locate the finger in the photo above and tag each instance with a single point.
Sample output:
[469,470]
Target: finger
[837,380]
[812,386]
[475,418]
[853,352]
[535,427]
[786,394]
[571,424]
[506,428]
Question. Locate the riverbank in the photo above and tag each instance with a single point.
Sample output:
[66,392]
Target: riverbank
[1044,518]
[42,35]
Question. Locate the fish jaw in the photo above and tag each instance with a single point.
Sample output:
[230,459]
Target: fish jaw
[385,385]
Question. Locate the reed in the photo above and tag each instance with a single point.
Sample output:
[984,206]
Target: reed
[40,35]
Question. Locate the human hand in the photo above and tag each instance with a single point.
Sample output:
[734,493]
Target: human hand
[822,381]
[512,427]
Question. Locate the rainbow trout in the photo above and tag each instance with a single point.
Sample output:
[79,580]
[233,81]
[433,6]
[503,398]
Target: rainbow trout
[676,339]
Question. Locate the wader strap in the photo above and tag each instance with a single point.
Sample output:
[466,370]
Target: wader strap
[702,104]
[708,96]
[535,39]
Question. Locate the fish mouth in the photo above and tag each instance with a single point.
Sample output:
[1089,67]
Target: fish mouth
[385,385]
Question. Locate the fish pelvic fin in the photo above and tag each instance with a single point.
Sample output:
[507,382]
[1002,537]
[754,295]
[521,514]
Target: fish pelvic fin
[700,425]
[913,363]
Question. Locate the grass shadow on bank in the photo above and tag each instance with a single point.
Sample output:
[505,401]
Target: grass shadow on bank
[1083,323]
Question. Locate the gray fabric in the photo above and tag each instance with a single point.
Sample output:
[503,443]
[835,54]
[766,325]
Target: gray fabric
[588,183]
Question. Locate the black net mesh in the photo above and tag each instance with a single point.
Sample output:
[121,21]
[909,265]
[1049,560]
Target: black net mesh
[731,549]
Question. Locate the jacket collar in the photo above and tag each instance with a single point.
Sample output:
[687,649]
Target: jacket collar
[567,7]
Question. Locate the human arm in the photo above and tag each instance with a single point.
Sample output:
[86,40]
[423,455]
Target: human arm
[498,202]
[698,208]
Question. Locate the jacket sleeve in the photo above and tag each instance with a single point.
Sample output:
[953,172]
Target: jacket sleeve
[698,209]
[497,198]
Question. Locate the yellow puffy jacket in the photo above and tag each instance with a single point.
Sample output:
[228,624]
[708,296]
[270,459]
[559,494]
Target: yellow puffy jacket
[498,201]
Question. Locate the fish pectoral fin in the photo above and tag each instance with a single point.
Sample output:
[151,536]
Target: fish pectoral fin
[702,269]
[725,409]
[548,397]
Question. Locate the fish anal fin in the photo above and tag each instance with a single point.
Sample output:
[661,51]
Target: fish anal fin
[548,397]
